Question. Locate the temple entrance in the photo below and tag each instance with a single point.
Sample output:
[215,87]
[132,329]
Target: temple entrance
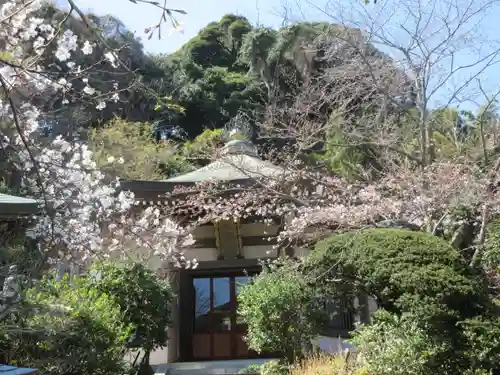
[217,331]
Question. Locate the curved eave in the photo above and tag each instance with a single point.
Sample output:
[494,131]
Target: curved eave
[162,187]
[230,168]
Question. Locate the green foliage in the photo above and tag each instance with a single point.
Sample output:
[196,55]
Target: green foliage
[275,306]
[491,257]
[69,328]
[419,281]
[455,133]
[394,345]
[483,341]
[272,367]
[207,78]
[4,189]
[143,299]
[406,271]
[256,46]
[21,252]
[437,312]
[134,153]
[218,43]
[346,159]
[252,369]
[205,144]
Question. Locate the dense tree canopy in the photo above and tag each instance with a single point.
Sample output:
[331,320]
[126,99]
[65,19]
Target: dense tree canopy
[230,68]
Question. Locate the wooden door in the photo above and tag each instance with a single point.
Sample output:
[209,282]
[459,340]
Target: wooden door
[217,331]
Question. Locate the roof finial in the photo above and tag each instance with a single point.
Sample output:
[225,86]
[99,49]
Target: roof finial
[240,147]
[238,128]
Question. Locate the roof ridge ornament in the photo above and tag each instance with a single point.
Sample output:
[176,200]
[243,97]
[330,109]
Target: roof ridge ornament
[240,147]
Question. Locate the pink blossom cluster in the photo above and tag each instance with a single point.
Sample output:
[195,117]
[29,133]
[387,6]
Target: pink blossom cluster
[316,202]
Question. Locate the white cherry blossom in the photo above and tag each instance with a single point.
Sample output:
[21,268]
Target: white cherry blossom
[111,58]
[87,48]
[89,90]
[77,201]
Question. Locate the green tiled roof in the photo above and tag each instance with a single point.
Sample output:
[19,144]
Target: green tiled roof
[239,161]
[12,205]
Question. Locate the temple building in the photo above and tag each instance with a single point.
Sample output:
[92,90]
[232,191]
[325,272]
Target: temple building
[207,336]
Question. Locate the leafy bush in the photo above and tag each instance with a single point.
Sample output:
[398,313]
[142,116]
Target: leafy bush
[252,369]
[274,306]
[491,256]
[143,299]
[394,345]
[431,299]
[69,329]
[205,144]
[406,271]
[483,342]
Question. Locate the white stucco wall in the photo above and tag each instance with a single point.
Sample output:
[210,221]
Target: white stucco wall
[259,252]
[332,345]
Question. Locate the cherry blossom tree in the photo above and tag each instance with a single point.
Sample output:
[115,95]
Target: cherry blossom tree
[377,102]
[82,217]
[382,90]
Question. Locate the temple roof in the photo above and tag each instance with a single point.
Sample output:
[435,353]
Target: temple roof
[12,205]
[11,370]
[239,161]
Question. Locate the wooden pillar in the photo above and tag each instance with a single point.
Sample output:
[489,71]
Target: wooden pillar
[173,331]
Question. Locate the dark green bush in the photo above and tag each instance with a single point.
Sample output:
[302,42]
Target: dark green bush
[275,306]
[144,299]
[483,341]
[405,271]
[418,277]
[68,328]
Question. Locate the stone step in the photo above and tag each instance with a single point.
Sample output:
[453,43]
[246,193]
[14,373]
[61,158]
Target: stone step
[230,367]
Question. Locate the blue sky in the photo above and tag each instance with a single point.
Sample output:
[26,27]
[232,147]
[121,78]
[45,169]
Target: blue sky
[200,12]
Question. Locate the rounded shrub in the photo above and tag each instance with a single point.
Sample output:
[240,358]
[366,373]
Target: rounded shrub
[275,308]
[424,291]
[405,271]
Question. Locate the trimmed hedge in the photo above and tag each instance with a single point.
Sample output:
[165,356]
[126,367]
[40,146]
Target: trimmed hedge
[406,271]
[421,279]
